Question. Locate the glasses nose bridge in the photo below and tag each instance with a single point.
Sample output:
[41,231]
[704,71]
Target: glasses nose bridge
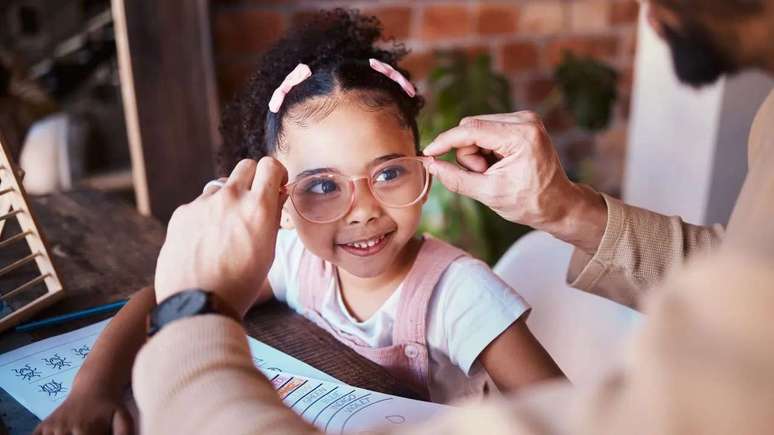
[358,209]
[355,180]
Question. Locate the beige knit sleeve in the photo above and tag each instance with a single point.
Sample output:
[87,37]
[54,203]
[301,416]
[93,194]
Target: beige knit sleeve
[638,249]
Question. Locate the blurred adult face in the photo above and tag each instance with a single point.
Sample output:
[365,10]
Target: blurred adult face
[703,49]
[698,61]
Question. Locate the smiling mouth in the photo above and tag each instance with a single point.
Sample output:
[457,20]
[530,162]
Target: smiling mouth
[365,248]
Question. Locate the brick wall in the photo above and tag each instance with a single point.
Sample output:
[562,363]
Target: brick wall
[524,37]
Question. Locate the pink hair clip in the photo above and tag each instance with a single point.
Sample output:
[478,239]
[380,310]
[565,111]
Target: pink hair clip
[300,73]
[394,75]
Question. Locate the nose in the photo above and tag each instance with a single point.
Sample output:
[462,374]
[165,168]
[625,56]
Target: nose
[365,208]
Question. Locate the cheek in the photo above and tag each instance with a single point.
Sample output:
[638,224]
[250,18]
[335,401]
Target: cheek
[318,238]
[407,218]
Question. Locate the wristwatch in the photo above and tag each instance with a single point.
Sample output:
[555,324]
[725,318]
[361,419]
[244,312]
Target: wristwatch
[187,303]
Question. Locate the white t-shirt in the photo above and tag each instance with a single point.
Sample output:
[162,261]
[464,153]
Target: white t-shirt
[469,308]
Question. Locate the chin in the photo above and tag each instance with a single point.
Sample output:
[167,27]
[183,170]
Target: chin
[697,60]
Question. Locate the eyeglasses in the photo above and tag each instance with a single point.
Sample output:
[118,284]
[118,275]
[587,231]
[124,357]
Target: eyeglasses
[327,197]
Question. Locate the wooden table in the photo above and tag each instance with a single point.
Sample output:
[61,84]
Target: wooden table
[104,251]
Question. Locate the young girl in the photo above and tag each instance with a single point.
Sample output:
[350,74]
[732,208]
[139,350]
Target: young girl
[337,111]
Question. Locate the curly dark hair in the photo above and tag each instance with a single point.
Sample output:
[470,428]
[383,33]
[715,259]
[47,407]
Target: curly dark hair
[336,45]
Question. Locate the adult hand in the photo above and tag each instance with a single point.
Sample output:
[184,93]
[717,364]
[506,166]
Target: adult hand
[507,162]
[224,240]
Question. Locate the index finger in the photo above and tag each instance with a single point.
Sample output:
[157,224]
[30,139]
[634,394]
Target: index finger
[242,175]
[463,136]
[270,176]
[513,118]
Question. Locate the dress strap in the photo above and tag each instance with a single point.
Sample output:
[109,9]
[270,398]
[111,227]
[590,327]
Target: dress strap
[433,259]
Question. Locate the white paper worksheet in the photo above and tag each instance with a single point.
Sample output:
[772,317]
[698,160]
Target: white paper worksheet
[339,408]
[41,374]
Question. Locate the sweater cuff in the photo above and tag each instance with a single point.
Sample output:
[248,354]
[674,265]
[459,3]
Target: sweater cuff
[586,271]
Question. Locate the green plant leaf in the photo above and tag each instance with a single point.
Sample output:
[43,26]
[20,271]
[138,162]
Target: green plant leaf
[589,90]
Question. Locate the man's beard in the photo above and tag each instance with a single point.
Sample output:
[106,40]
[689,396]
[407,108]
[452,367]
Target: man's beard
[697,59]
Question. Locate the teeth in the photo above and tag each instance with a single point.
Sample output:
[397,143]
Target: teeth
[366,243]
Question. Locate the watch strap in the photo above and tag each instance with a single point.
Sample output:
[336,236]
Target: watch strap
[214,305]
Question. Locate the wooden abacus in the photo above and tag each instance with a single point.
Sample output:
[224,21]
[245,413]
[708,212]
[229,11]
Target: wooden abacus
[28,281]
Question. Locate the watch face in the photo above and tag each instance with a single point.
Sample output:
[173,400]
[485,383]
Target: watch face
[182,304]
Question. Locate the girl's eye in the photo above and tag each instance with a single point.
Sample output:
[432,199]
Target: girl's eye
[388,174]
[321,187]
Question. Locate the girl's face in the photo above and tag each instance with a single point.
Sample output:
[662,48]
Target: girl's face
[352,140]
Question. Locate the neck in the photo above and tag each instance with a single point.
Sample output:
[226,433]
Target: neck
[390,278]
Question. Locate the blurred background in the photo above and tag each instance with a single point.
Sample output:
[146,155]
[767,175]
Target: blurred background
[124,96]
[60,95]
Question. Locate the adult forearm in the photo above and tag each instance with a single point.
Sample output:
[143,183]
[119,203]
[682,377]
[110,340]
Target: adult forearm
[109,365]
[580,218]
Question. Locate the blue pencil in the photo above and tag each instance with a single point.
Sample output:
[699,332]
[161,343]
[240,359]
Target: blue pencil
[56,320]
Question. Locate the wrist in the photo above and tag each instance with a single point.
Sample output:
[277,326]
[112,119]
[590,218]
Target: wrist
[225,307]
[582,219]
[87,385]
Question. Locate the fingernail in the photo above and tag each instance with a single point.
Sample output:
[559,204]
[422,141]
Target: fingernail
[428,148]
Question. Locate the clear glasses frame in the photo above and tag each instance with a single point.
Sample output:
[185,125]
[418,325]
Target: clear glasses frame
[291,188]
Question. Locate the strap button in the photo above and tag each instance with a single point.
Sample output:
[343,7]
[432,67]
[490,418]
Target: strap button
[411,351]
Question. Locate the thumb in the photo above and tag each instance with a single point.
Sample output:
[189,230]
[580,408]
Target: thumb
[457,179]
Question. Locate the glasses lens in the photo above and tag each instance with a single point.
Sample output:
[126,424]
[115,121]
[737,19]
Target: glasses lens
[399,182]
[321,198]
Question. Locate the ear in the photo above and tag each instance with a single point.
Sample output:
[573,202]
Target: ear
[286,220]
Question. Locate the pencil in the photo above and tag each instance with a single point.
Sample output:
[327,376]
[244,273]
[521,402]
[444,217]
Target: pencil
[75,315]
